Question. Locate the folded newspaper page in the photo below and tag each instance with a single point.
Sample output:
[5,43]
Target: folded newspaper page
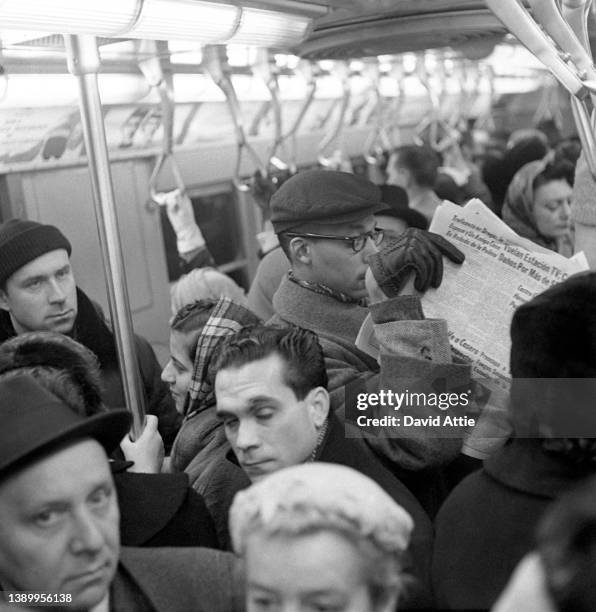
[501,272]
[477,299]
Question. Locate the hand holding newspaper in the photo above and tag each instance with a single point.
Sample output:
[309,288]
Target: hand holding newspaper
[478,298]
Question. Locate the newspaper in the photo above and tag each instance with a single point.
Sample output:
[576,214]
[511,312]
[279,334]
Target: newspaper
[477,299]
[502,271]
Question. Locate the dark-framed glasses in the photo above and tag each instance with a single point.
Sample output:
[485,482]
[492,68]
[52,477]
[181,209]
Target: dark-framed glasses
[356,242]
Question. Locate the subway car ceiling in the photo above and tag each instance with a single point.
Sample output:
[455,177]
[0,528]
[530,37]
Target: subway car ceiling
[364,64]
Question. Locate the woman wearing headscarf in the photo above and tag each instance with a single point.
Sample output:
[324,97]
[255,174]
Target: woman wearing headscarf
[200,447]
[321,536]
[537,204]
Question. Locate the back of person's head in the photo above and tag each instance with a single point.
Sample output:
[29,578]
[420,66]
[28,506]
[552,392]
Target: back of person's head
[60,364]
[298,348]
[553,365]
[422,163]
[567,547]
[568,149]
[204,284]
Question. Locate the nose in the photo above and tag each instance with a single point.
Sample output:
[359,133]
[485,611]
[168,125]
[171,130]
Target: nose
[56,293]
[246,436]
[369,249]
[565,210]
[87,536]
[167,374]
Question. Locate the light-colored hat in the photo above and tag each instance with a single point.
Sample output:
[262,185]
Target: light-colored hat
[320,496]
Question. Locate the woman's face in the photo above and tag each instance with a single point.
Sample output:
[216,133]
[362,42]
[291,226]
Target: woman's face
[552,208]
[178,371]
[316,572]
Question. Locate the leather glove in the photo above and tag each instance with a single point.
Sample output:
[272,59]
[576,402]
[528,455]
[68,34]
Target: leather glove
[415,251]
[182,217]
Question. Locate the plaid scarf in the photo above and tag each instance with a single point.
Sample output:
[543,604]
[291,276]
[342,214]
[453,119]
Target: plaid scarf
[324,290]
[226,319]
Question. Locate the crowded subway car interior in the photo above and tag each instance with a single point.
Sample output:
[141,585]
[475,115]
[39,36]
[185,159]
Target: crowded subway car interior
[297,305]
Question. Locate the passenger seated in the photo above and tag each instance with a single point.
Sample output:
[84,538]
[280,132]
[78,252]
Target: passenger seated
[59,529]
[321,536]
[489,517]
[271,390]
[200,447]
[155,509]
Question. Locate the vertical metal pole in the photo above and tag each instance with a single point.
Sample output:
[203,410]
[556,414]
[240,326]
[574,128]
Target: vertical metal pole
[84,63]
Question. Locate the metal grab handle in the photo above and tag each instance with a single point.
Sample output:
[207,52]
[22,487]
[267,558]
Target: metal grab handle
[157,169]
[328,162]
[153,72]
[548,15]
[216,64]
[576,13]
[377,141]
[307,70]
[518,21]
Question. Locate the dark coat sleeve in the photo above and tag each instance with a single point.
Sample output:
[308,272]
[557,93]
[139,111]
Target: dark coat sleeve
[183,579]
[159,400]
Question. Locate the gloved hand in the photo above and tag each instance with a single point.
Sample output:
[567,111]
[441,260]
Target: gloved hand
[181,216]
[415,252]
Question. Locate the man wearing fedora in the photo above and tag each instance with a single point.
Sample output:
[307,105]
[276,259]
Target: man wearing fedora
[59,533]
[326,226]
[38,292]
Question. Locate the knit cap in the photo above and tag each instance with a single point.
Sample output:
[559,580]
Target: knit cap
[22,241]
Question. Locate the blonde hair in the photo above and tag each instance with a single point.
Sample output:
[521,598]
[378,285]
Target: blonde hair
[204,283]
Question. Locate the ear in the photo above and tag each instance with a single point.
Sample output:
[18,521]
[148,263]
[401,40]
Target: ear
[4,305]
[318,405]
[300,250]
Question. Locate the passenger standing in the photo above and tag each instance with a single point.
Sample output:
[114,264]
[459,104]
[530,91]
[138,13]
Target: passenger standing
[38,292]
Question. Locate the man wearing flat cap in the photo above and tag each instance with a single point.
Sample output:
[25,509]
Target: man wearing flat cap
[38,293]
[59,532]
[325,224]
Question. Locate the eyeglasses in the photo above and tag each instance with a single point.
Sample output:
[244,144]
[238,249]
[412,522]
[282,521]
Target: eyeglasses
[357,242]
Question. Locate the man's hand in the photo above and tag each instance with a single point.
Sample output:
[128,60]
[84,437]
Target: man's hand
[147,452]
[416,252]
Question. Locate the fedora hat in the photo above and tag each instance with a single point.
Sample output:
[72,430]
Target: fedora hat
[33,420]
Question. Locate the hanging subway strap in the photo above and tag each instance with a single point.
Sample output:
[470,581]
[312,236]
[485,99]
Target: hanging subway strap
[334,136]
[216,63]
[150,66]
[378,141]
[307,70]
[575,71]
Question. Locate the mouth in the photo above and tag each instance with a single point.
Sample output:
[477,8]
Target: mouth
[92,575]
[61,315]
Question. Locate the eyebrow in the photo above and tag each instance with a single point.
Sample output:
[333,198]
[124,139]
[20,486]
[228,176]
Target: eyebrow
[260,401]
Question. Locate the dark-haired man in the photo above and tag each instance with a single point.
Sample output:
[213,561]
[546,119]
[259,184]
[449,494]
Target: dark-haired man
[38,292]
[271,390]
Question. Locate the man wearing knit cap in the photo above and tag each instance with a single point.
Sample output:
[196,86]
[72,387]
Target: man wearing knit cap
[38,292]
[325,224]
[59,533]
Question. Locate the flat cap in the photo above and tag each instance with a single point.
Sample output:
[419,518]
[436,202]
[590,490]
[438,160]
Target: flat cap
[323,196]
